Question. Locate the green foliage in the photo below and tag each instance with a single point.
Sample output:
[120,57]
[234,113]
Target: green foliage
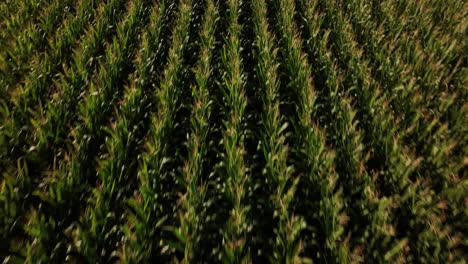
[203,131]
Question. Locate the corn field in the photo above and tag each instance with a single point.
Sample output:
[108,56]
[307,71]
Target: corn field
[233,131]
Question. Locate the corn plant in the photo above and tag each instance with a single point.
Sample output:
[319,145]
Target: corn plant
[93,113]
[30,41]
[312,143]
[20,120]
[234,249]
[151,206]
[269,131]
[14,19]
[25,187]
[286,245]
[191,203]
